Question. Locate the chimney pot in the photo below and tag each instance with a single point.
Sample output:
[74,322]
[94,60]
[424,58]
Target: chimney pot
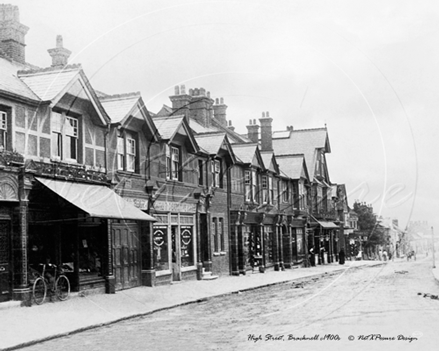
[221,101]
[208,94]
[191,92]
[182,89]
[267,114]
[59,54]
[202,91]
[255,121]
[59,41]
[176,90]
[216,101]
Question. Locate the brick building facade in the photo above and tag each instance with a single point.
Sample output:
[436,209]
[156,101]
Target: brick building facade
[121,197]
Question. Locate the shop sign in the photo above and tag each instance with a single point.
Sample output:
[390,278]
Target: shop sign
[141,204]
[174,207]
[186,237]
[159,238]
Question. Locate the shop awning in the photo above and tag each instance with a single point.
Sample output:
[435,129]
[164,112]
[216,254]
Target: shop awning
[96,200]
[327,225]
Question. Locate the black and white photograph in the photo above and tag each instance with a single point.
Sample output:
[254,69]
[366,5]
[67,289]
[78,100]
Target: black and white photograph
[219,175]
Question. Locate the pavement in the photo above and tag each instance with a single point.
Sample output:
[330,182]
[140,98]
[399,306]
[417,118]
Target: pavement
[24,326]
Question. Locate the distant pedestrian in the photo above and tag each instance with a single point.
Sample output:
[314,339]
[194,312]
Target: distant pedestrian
[312,257]
[342,256]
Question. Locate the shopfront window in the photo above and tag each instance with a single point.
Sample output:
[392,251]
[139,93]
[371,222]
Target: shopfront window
[269,239]
[187,246]
[160,256]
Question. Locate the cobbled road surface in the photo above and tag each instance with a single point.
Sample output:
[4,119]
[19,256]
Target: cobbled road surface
[388,307]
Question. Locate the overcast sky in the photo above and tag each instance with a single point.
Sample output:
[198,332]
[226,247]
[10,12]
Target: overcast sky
[367,69]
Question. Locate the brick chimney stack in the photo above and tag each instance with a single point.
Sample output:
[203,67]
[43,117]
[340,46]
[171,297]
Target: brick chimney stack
[253,130]
[59,54]
[201,108]
[220,112]
[266,132]
[181,101]
[12,33]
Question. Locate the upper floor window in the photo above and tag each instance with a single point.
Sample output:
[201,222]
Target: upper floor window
[285,190]
[3,129]
[65,137]
[254,186]
[173,163]
[217,173]
[247,185]
[237,179]
[201,173]
[270,189]
[121,153]
[127,152]
[264,189]
[71,138]
[131,154]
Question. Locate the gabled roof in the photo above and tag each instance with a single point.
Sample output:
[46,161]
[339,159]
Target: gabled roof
[48,83]
[233,136]
[170,126]
[269,161]
[198,128]
[121,107]
[164,111]
[215,144]
[11,84]
[51,84]
[304,141]
[293,166]
[248,154]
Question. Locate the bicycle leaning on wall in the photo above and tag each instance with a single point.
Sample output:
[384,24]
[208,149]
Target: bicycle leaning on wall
[57,282]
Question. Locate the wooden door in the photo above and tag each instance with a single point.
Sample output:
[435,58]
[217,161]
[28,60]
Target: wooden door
[126,252]
[5,274]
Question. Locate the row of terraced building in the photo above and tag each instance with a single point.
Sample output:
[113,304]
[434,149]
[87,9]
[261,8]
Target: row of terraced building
[123,197]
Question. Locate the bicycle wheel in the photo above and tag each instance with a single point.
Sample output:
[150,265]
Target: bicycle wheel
[62,288]
[39,291]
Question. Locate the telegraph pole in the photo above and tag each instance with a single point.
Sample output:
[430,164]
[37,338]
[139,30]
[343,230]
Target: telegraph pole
[433,247]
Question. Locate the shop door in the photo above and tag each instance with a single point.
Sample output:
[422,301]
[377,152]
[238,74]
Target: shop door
[5,281]
[175,254]
[126,263]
